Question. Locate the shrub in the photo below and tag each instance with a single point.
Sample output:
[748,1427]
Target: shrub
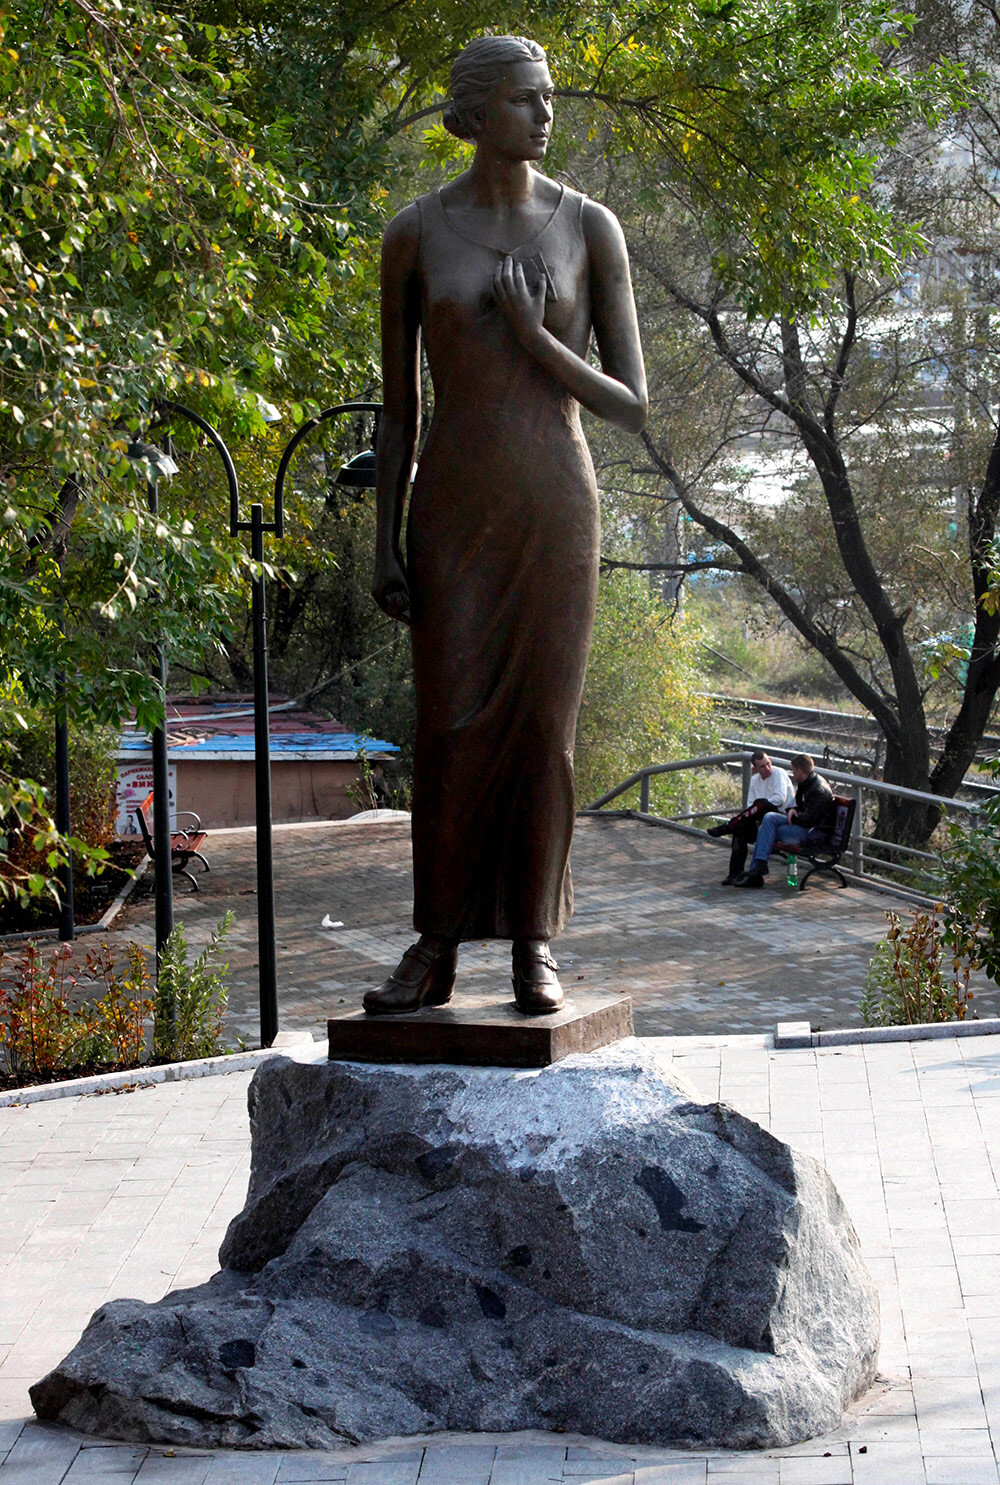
[118,1037]
[971,869]
[30,849]
[641,702]
[376,787]
[915,976]
[190,999]
[41,1031]
[31,755]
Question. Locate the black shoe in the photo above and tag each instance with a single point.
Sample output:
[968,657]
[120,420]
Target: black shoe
[729,881]
[425,976]
[750,879]
[718,830]
[537,990]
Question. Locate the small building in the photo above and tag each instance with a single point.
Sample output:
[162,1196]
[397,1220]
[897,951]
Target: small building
[315,764]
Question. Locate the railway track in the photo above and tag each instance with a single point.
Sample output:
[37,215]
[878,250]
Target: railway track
[850,737]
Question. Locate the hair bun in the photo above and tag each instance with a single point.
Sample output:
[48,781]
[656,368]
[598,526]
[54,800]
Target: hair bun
[454,123]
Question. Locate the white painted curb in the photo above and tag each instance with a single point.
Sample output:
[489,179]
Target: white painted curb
[789,1035]
[296,1044]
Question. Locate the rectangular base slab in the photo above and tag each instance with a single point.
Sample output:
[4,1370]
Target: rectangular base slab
[482,1030]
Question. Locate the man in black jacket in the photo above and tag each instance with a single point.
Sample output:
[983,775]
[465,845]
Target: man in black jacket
[809,821]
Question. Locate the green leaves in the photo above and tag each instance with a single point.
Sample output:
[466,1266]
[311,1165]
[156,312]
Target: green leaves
[190,207]
[768,120]
[642,700]
[147,249]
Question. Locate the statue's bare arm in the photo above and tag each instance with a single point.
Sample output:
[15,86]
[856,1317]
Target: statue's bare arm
[617,392]
[399,425]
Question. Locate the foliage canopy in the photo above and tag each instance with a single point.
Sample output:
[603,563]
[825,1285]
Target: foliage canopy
[190,203]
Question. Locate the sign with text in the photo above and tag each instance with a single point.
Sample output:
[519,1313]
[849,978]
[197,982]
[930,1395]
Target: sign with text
[135,780]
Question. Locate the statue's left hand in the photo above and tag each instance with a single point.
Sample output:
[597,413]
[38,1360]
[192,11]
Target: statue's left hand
[523,308]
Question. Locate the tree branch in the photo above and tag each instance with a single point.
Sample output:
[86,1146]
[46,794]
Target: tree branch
[609,564]
[399,125]
[794,369]
[54,536]
[843,355]
[751,564]
[982,679]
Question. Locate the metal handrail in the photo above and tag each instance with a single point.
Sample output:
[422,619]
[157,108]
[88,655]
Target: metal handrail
[939,801]
[865,867]
[892,845]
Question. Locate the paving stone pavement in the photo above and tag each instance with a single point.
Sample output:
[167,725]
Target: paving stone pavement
[129,1194]
[651,918]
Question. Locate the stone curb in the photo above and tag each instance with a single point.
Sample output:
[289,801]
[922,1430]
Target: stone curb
[789,1035]
[287,1043]
[106,921]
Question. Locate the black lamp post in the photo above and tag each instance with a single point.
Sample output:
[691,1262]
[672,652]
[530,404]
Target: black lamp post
[257,527]
[358,473]
[64,874]
[266,955]
[161,463]
[67,927]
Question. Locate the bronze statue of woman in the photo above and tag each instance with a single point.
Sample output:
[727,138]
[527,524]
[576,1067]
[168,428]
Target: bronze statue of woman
[504,274]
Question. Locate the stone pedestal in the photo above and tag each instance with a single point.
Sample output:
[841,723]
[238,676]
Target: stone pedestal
[585,1246]
[482,1030]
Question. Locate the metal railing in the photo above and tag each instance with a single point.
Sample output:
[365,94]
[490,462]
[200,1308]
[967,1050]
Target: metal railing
[879,863]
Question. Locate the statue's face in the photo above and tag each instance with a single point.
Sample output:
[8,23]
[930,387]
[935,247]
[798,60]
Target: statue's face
[518,118]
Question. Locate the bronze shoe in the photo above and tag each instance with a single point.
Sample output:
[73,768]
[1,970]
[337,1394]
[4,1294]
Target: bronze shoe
[424,976]
[537,990]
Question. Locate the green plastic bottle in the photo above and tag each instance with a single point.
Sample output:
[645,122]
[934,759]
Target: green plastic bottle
[792,864]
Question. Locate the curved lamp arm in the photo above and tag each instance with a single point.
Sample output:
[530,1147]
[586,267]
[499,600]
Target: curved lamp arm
[165,410]
[293,443]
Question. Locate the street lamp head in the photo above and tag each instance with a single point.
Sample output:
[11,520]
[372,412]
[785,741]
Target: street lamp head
[358,473]
[160,463]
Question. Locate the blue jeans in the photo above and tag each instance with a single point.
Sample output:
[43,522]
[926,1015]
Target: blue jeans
[775,830]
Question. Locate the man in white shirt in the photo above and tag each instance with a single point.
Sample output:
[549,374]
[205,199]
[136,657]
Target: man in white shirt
[770,789]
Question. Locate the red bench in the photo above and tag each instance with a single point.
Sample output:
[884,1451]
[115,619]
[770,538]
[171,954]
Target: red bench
[184,844]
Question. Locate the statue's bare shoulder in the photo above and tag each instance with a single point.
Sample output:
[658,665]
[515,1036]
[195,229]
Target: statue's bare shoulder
[602,231]
[401,238]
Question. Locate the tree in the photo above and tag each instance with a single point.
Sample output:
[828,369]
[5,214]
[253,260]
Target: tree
[642,701]
[190,203]
[839,580]
[766,338]
[148,253]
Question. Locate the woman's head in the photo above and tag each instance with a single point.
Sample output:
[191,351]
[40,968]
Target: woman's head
[477,72]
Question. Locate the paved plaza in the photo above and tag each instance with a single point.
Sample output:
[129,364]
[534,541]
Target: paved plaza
[129,1195]
[651,918]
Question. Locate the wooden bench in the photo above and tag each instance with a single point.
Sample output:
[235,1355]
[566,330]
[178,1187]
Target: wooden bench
[824,858]
[183,843]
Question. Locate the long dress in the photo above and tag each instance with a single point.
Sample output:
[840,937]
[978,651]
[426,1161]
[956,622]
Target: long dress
[502,543]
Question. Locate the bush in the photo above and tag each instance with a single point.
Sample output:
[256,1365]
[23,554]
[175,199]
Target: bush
[54,1022]
[971,870]
[41,1031]
[121,1014]
[914,976]
[377,786]
[190,999]
[30,849]
[641,702]
[92,771]
[45,1027]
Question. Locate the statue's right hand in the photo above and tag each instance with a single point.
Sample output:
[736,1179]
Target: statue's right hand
[390,590]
